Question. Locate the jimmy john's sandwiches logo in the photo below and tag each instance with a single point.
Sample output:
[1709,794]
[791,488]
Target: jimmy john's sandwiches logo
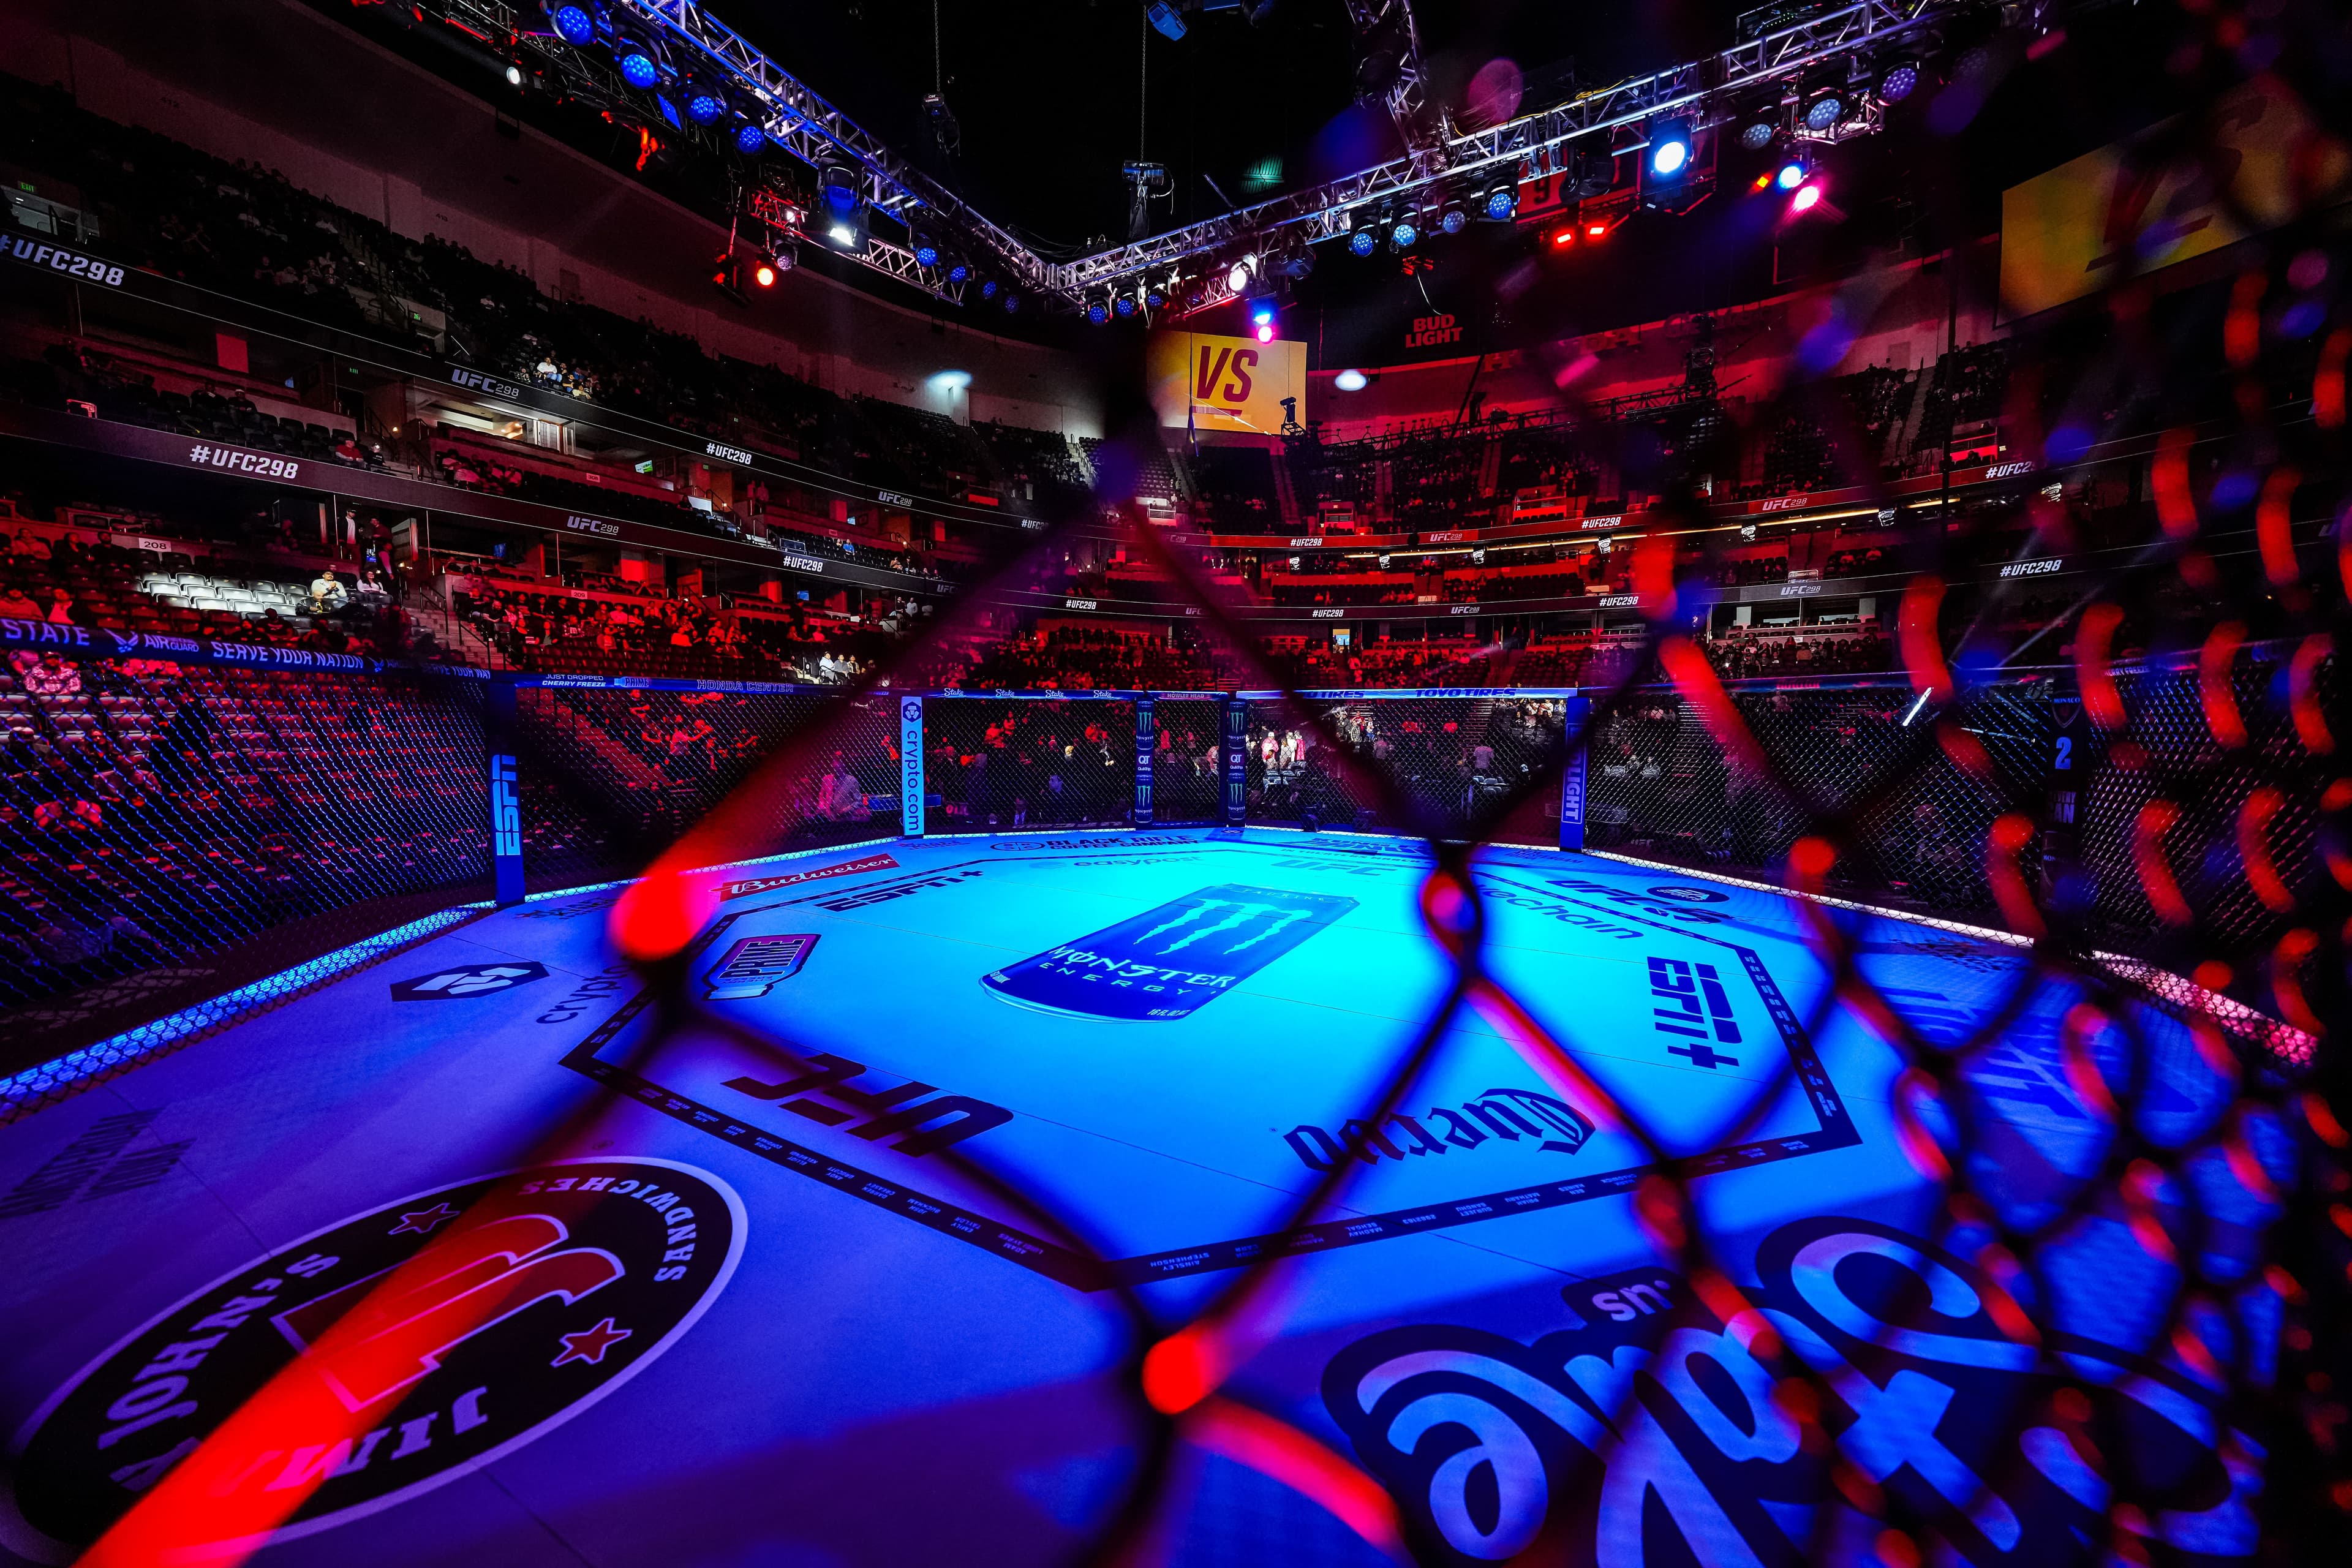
[416,1342]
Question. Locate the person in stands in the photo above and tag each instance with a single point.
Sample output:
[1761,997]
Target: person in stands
[15,604]
[326,593]
[839,796]
[49,675]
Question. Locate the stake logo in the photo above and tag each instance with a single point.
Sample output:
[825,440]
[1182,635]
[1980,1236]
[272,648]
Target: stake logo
[418,1341]
[1169,962]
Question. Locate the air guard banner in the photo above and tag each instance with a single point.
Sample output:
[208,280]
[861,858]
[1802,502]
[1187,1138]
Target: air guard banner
[2066,233]
[1226,384]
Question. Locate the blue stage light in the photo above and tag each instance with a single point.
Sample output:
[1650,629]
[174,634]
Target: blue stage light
[1502,202]
[1453,220]
[637,68]
[1155,296]
[1402,233]
[704,106]
[988,289]
[1898,80]
[1825,108]
[927,251]
[749,139]
[1362,242]
[574,25]
[959,270]
[1261,311]
[1098,312]
[1793,173]
[1124,305]
[1670,149]
[1011,301]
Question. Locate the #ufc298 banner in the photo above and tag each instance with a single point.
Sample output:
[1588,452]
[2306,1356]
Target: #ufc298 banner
[1226,384]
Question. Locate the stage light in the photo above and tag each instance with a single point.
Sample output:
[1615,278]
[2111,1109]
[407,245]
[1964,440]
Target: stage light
[1155,296]
[1670,149]
[1758,127]
[1261,311]
[1825,109]
[1403,232]
[1124,305]
[1010,300]
[1896,79]
[1166,20]
[1363,242]
[1502,201]
[1266,334]
[640,67]
[1098,312]
[1348,381]
[749,139]
[514,76]
[574,24]
[1792,172]
[704,103]
[1561,238]
[1294,260]
[1240,274]
[764,273]
[1807,198]
[1453,220]
[959,270]
[1596,231]
[926,249]
[988,287]
[841,234]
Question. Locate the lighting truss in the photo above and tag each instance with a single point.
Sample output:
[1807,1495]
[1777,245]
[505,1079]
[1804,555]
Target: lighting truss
[1419,122]
[803,124]
[1702,90]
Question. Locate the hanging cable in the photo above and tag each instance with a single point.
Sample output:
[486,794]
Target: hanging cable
[1143,86]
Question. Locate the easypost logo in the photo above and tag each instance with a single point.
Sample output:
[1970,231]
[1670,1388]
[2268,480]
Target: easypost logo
[402,1348]
[456,985]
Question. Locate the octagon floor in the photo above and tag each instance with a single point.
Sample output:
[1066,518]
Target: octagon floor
[867,1355]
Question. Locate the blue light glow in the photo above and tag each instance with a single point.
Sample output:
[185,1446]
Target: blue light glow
[704,107]
[637,68]
[26,1091]
[1361,242]
[1501,202]
[749,139]
[574,25]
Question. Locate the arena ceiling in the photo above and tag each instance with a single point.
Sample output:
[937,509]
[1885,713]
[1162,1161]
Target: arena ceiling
[1045,92]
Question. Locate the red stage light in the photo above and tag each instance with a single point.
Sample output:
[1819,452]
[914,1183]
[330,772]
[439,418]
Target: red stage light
[1563,236]
[1597,231]
[765,275]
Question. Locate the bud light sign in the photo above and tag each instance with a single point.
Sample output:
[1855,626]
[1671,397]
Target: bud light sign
[1171,961]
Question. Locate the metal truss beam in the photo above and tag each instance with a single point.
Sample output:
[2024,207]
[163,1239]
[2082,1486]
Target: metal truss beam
[1705,91]
[1419,122]
[804,124]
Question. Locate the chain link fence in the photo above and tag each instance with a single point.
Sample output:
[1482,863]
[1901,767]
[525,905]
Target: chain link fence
[160,819]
